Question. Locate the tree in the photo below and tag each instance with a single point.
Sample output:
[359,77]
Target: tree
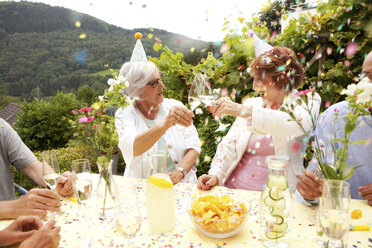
[86,95]
[44,125]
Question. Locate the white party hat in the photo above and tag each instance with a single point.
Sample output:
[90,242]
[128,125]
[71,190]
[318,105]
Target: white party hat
[260,46]
[138,54]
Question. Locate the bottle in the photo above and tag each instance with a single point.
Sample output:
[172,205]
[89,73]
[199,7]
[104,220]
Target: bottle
[160,199]
[276,204]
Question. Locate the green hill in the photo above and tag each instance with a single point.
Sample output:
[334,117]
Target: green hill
[40,47]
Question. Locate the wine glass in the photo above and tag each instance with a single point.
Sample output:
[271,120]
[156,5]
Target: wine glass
[201,92]
[51,172]
[128,218]
[83,180]
[334,211]
[50,169]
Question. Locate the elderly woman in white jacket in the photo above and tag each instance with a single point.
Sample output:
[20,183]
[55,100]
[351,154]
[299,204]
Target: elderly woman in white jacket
[152,122]
[261,129]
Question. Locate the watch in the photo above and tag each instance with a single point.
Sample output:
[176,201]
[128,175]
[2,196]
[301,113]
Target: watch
[183,171]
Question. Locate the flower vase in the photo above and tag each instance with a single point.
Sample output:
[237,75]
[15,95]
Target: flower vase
[106,190]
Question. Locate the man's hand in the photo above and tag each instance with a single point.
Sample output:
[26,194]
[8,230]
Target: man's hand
[205,182]
[64,186]
[366,192]
[36,202]
[20,229]
[310,186]
[46,237]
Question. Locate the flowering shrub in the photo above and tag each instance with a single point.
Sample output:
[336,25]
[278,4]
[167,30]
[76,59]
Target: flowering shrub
[95,125]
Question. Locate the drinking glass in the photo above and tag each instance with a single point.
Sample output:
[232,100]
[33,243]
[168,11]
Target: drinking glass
[201,92]
[83,180]
[334,211]
[128,218]
[51,173]
[50,169]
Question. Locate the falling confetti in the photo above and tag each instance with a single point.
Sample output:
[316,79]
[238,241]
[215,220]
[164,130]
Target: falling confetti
[82,36]
[77,24]
[150,36]
[281,67]
[351,49]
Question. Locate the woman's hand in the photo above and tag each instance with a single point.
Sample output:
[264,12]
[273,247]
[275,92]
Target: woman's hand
[20,229]
[224,106]
[64,186]
[366,192]
[310,186]
[205,182]
[179,115]
[176,176]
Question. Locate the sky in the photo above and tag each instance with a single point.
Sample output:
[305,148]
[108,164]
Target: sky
[197,19]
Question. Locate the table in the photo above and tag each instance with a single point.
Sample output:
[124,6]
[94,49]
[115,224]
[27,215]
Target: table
[103,232]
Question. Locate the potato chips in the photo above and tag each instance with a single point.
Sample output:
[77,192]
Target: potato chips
[218,215]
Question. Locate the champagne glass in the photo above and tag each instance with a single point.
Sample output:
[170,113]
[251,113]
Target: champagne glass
[334,211]
[201,92]
[83,180]
[128,218]
[50,169]
[51,172]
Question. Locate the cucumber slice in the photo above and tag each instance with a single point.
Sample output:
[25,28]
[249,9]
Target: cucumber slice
[274,235]
[273,227]
[279,204]
[278,181]
[276,194]
[279,212]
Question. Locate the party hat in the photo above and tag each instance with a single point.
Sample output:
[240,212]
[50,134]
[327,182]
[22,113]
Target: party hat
[260,46]
[138,54]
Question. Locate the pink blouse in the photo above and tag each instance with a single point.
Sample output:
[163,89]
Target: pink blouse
[251,172]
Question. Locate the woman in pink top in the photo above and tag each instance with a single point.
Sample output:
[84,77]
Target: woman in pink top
[260,128]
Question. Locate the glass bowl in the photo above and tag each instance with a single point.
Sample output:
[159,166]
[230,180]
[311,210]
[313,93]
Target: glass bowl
[219,228]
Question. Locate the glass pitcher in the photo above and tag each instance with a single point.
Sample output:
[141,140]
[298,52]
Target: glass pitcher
[276,204]
[160,200]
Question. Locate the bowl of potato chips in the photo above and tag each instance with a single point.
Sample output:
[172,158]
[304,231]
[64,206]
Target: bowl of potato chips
[218,217]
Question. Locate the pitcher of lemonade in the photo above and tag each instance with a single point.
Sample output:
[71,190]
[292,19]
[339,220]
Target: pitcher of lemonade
[276,204]
[160,201]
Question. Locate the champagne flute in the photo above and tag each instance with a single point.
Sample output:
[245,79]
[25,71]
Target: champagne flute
[128,218]
[334,211]
[83,180]
[201,92]
[51,171]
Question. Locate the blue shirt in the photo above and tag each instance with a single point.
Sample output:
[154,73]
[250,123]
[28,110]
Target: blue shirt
[358,154]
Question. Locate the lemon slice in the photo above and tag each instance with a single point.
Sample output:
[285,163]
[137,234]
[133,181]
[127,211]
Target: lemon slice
[161,182]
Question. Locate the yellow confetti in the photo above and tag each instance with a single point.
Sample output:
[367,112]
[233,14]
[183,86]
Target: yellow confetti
[192,49]
[274,126]
[77,24]
[82,36]
[322,75]
[288,62]
[74,199]
[150,36]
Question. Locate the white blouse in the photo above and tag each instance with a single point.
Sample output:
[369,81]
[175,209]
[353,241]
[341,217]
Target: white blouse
[129,123]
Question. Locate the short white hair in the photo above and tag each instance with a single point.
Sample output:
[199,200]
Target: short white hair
[138,74]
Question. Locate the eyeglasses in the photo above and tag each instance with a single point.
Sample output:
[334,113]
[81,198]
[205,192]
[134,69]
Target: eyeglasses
[366,74]
[155,83]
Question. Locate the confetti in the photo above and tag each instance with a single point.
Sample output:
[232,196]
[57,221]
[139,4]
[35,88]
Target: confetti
[351,49]
[82,36]
[77,24]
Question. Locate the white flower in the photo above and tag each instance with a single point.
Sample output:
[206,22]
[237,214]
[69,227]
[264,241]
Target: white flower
[111,89]
[101,98]
[111,82]
[122,79]
[351,90]
[216,91]
[198,111]
[364,97]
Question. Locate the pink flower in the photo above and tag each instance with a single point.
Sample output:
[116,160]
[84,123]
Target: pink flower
[74,111]
[91,118]
[89,133]
[99,113]
[83,119]
[82,109]
[304,92]
[95,126]
[88,109]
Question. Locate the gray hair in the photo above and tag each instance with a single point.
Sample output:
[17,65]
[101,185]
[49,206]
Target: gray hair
[138,74]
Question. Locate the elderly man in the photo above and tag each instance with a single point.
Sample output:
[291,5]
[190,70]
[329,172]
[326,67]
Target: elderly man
[309,185]
[37,201]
